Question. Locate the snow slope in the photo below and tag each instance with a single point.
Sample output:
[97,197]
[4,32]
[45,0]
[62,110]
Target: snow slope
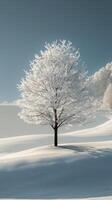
[81,167]
[97,198]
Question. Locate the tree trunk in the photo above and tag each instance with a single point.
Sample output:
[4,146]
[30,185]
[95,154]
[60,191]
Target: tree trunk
[56,136]
[55,129]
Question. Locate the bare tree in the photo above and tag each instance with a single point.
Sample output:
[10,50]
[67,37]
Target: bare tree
[54,89]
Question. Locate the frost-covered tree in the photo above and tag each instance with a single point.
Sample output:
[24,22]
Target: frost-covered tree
[107,102]
[54,89]
[100,80]
[100,86]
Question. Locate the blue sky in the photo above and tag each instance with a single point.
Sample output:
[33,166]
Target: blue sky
[25,25]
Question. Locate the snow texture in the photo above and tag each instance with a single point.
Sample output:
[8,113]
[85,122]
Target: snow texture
[79,168]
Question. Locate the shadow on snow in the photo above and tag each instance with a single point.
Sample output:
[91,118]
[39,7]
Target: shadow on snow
[87,177]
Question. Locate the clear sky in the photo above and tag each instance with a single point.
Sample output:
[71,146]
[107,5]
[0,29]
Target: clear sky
[25,25]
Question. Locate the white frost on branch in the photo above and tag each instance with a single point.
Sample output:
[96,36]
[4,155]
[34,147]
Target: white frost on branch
[100,86]
[100,81]
[107,99]
[54,90]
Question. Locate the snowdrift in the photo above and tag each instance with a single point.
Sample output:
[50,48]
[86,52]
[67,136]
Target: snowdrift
[81,167]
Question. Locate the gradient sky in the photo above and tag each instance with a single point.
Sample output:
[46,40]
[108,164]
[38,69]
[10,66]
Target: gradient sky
[25,25]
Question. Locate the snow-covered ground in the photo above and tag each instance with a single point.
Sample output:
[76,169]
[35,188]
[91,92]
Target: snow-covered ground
[80,168]
[97,198]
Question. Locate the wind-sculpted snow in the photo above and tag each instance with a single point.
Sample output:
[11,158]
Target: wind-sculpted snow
[70,172]
[80,167]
